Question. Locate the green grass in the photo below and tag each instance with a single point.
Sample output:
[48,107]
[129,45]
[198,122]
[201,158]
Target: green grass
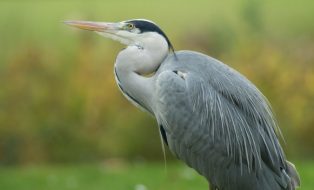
[111,175]
[116,175]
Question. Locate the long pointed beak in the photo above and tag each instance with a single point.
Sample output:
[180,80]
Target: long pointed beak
[93,26]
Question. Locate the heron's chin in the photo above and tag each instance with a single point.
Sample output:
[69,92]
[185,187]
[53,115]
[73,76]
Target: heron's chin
[114,37]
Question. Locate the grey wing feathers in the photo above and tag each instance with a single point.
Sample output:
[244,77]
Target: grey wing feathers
[214,108]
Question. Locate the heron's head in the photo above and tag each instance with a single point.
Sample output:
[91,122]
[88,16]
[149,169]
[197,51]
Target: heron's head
[131,32]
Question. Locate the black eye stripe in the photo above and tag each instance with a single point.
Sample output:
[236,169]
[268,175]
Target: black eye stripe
[146,26]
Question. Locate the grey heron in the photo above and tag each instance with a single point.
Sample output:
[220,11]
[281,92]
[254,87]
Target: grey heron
[209,115]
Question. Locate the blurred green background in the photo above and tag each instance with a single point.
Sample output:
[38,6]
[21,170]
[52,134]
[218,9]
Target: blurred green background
[65,125]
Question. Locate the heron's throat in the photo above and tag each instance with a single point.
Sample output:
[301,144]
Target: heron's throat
[134,86]
[135,68]
[141,59]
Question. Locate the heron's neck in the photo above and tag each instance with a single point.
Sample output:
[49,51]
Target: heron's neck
[131,66]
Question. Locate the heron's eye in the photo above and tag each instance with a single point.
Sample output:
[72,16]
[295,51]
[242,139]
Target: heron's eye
[129,26]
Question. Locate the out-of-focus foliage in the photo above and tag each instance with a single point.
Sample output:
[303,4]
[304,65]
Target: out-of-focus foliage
[59,101]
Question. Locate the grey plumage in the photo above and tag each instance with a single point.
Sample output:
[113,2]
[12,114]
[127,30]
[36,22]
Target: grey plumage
[221,119]
[209,115]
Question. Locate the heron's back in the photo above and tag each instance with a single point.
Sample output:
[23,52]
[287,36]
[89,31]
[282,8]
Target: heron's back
[220,124]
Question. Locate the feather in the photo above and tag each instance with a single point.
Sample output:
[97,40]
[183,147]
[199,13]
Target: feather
[219,117]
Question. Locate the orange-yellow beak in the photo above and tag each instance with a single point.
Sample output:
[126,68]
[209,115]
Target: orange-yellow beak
[115,31]
[94,26]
